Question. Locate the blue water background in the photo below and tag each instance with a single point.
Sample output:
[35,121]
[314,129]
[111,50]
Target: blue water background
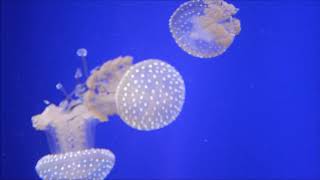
[251,113]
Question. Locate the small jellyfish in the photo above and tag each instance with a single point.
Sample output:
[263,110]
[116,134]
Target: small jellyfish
[82,52]
[204,28]
[150,95]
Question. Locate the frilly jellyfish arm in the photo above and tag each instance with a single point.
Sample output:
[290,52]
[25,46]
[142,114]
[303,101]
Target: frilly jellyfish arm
[102,85]
[150,95]
[204,28]
[42,121]
[69,128]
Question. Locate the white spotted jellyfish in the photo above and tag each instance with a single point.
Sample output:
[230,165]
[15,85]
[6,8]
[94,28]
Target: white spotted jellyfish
[204,28]
[147,96]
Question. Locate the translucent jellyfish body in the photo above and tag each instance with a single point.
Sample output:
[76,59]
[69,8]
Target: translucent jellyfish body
[204,28]
[147,96]
[150,95]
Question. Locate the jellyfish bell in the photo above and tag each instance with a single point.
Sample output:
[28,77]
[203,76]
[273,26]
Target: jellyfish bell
[204,28]
[150,95]
[85,164]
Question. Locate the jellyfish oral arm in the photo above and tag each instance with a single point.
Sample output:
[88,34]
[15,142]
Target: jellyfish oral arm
[69,128]
[216,25]
[102,84]
[43,120]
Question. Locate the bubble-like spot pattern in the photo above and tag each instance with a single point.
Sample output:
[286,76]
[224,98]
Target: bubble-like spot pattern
[204,28]
[150,95]
[84,164]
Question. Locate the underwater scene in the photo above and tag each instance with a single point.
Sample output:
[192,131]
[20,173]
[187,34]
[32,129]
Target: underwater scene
[160,89]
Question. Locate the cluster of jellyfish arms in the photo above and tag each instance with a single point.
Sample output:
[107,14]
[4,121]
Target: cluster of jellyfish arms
[148,95]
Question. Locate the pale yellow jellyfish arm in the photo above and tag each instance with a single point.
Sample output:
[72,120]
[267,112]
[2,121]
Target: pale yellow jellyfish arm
[43,120]
[102,84]
[55,115]
[216,24]
[219,9]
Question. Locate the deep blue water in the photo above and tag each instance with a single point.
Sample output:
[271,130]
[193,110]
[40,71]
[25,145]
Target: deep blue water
[251,113]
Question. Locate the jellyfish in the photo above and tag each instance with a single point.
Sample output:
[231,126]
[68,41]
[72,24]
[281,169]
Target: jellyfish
[204,28]
[147,96]
[70,129]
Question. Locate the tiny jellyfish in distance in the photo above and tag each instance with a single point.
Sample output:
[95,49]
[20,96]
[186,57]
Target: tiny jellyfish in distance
[150,95]
[204,28]
[147,96]
[82,52]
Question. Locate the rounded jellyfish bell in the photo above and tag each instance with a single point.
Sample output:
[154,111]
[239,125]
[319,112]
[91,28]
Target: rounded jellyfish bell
[150,95]
[204,28]
[85,164]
